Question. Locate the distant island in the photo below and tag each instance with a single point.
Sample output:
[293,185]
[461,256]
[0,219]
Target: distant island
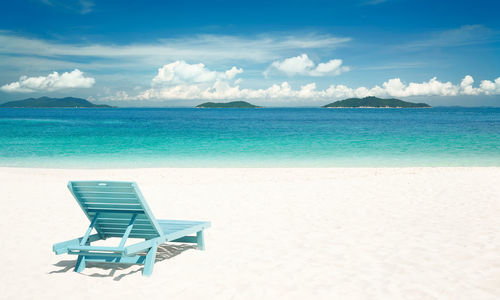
[374,102]
[47,102]
[234,104]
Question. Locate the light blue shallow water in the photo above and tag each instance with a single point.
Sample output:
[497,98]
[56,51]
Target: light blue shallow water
[271,137]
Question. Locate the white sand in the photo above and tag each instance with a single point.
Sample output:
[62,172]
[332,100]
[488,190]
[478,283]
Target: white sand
[407,233]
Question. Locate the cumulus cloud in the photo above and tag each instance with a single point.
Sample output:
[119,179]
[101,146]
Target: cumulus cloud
[222,88]
[182,80]
[489,87]
[180,72]
[467,88]
[51,82]
[294,65]
[231,73]
[396,88]
[303,65]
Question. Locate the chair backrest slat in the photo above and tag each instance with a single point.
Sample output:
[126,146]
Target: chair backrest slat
[116,202]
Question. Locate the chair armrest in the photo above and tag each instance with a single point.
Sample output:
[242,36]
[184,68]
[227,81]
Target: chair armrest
[62,247]
[94,248]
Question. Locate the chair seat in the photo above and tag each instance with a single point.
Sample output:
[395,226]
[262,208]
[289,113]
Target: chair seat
[174,229]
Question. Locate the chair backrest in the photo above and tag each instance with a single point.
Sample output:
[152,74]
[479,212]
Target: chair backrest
[115,202]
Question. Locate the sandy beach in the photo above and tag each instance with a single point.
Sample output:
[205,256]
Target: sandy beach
[337,233]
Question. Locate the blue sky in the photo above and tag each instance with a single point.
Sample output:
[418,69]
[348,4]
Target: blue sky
[275,53]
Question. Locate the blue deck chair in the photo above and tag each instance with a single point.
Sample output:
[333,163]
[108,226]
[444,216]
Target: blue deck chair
[118,209]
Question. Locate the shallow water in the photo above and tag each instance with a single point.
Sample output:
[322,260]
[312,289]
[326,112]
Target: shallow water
[271,137]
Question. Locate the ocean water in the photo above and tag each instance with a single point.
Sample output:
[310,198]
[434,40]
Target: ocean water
[270,137]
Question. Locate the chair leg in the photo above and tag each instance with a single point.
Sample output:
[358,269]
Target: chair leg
[149,261]
[80,263]
[200,240]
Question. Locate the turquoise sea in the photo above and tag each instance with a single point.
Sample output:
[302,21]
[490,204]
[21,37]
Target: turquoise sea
[270,137]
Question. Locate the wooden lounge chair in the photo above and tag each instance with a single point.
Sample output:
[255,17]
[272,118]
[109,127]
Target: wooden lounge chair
[118,209]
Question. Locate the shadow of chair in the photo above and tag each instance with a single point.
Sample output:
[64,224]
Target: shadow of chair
[165,251]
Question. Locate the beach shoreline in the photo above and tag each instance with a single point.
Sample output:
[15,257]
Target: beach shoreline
[293,233]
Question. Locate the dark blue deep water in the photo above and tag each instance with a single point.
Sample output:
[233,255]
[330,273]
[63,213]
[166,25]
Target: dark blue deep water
[270,137]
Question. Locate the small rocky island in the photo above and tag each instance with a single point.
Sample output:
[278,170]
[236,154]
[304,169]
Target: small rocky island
[234,104]
[47,102]
[374,102]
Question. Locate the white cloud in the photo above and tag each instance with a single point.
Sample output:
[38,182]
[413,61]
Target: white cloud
[298,65]
[180,72]
[333,67]
[51,82]
[223,89]
[303,65]
[207,48]
[231,73]
[118,96]
[394,87]
[466,86]
[489,87]
[181,80]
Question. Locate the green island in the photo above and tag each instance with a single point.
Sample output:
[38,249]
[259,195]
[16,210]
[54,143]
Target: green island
[233,104]
[374,102]
[47,102]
